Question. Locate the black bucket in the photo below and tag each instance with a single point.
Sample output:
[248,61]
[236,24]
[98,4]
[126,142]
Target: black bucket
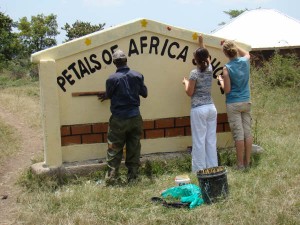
[213,184]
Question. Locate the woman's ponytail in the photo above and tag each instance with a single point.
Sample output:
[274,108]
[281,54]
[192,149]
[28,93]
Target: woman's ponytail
[201,57]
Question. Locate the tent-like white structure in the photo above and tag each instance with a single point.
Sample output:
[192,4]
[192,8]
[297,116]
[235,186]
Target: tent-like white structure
[263,29]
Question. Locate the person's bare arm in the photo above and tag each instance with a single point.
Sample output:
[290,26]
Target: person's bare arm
[225,80]
[200,41]
[189,86]
[242,52]
[202,45]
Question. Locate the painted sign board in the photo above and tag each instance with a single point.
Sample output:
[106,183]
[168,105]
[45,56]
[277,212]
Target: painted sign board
[75,122]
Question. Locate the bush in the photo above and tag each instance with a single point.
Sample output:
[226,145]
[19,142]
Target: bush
[18,68]
[6,80]
[279,71]
[21,68]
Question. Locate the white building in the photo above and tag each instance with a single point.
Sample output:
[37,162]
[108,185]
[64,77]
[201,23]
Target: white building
[265,30]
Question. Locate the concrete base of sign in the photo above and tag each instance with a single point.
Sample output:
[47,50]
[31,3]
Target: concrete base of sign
[68,169]
[256,149]
[89,166]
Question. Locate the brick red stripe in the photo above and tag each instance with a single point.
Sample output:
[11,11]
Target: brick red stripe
[158,128]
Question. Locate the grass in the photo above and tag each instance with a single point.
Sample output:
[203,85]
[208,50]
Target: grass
[21,97]
[268,193]
[9,141]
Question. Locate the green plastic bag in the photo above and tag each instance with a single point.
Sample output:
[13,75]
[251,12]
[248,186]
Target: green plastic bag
[188,193]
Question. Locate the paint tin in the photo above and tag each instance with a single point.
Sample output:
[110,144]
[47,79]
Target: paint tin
[182,180]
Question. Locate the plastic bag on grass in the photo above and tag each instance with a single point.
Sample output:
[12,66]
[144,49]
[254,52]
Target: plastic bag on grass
[188,193]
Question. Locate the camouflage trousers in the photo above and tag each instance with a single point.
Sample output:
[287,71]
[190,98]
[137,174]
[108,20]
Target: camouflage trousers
[121,133]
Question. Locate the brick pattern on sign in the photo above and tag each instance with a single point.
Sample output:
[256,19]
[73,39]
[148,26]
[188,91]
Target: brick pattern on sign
[158,128]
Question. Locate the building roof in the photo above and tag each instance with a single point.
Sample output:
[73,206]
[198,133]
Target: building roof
[262,29]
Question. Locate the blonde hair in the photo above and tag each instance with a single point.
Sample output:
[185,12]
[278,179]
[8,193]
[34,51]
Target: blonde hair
[230,49]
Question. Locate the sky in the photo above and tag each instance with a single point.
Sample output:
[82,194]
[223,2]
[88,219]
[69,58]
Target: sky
[203,16]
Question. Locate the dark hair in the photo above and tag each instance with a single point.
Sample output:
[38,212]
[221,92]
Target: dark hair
[120,62]
[201,57]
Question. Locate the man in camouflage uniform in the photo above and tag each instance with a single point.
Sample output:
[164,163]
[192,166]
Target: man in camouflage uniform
[123,88]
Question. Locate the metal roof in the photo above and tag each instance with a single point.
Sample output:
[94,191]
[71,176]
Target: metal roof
[262,29]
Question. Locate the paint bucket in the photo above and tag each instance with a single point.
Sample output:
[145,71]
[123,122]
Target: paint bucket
[182,180]
[213,184]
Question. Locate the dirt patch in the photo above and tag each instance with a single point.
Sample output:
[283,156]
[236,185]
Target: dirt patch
[10,170]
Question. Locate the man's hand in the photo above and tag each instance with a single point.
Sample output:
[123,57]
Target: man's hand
[102,96]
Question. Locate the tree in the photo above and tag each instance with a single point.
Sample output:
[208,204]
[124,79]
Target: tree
[235,12]
[39,33]
[9,44]
[79,29]
[232,14]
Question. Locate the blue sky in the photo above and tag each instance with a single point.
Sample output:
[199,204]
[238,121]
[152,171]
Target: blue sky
[197,15]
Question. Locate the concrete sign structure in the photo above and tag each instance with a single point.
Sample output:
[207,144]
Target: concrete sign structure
[75,122]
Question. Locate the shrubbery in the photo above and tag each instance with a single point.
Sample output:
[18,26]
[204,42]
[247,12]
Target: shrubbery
[18,72]
[279,71]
